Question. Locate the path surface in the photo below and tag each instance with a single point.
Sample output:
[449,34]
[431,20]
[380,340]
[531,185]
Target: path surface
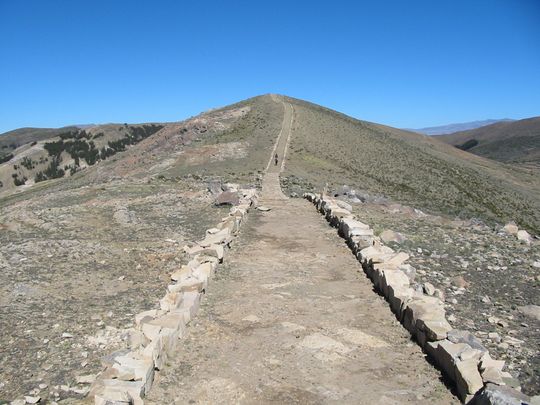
[292,319]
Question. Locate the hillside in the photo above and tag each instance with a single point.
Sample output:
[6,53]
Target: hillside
[11,140]
[32,155]
[329,147]
[509,142]
[451,128]
[82,253]
[326,147]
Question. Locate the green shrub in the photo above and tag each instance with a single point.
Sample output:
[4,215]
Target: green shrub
[19,182]
[6,158]
[27,162]
[471,143]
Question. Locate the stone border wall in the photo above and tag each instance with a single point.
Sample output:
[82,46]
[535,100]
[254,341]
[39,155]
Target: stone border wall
[457,353]
[129,374]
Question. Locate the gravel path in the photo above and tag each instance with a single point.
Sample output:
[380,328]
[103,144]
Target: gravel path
[291,318]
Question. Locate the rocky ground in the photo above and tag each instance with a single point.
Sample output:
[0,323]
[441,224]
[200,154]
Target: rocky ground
[290,318]
[488,277]
[75,267]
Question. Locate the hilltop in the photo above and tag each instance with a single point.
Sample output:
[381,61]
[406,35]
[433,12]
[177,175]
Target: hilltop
[327,147]
[509,142]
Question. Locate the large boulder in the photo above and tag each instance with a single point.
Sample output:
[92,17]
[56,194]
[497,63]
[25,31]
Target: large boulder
[499,395]
[228,198]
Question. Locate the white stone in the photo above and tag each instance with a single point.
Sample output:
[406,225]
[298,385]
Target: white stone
[524,237]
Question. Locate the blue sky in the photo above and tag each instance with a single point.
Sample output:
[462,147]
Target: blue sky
[402,63]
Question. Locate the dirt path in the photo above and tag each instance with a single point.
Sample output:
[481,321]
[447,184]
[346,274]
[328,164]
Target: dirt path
[292,319]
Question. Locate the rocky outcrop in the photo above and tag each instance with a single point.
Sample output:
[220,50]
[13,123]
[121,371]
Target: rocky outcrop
[129,374]
[459,354]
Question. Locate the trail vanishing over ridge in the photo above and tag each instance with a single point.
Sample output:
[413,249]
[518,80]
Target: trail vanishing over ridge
[291,319]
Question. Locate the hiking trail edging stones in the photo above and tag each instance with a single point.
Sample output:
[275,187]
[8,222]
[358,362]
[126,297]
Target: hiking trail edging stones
[478,378]
[129,373]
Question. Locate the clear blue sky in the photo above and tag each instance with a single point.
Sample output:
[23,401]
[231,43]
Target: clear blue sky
[402,63]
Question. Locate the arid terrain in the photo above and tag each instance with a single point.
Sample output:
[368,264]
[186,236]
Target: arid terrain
[81,253]
[515,142]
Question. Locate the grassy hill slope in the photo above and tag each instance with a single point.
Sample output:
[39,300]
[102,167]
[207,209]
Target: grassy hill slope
[329,147]
[510,142]
[233,144]
[11,140]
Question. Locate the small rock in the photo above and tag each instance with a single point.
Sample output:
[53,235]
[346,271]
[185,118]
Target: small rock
[493,319]
[511,228]
[32,400]
[459,282]
[66,335]
[429,288]
[485,299]
[263,208]
[495,337]
[391,236]
[502,324]
[251,318]
[86,379]
[524,237]
[530,310]
[439,294]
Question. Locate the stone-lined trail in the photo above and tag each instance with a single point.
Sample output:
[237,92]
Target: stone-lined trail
[291,318]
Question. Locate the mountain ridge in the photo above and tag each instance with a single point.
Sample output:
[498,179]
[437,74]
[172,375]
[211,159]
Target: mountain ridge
[455,127]
[326,147]
[515,142]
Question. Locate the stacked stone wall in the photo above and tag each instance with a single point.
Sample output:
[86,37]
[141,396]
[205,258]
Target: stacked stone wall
[129,374]
[477,377]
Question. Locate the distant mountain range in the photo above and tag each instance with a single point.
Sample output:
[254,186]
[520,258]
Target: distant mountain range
[463,126]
